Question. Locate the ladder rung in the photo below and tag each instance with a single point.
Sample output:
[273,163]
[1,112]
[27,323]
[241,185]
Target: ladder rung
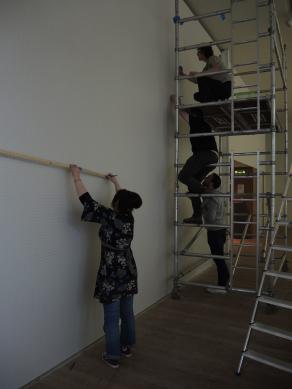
[282,248]
[219,164]
[197,46]
[272,330]
[246,86]
[282,223]
[244,20]
[236,222]
[180,194]
[244,245]
[237,65]
[202,225]
[202,255]
[276,302]
[203,16]
[287,276]
[227,132]
[207,104]
[267,360]
[244,268]
[206,74]
[244,109]
[244,42]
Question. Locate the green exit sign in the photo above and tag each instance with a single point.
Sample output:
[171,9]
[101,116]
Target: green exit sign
[240,172]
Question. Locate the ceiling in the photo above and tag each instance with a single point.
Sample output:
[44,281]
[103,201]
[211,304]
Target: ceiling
[219,28]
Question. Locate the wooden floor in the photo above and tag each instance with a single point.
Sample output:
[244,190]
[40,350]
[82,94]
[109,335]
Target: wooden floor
[192,343]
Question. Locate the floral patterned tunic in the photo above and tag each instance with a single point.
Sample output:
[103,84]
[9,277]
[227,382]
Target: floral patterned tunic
[117,274]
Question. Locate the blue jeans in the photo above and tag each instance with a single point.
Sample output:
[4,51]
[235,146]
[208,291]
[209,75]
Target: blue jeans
[114,337]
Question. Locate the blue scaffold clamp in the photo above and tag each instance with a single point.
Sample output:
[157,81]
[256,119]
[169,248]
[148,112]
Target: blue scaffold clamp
[176,19]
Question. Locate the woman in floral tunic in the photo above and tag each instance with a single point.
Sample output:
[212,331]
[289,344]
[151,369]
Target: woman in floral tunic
[116,281]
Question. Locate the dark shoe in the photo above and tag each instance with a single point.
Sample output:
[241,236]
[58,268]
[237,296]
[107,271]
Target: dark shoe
[193,220]
[126,351]
[111,362]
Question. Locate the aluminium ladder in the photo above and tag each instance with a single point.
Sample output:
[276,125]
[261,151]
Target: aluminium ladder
[269,272]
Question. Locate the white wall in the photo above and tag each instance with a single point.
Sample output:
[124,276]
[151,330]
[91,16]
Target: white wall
[86,82]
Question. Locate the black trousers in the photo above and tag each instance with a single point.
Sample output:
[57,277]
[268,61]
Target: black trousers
[194,171]
[216,240]
[212,90]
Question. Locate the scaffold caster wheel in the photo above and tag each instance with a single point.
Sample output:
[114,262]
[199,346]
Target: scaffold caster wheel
[175,294]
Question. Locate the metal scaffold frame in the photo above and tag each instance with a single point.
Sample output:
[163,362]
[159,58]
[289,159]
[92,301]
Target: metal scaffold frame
[262,219]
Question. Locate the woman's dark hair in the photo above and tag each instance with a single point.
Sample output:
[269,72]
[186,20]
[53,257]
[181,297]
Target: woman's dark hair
[216,181]
[207,51]
[126,200]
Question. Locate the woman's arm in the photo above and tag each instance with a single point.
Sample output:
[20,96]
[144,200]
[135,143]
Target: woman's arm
[79,186]
[192,73]
[114,180]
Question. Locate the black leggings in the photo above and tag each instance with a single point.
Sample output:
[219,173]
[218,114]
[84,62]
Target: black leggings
[216,240]
[194,171]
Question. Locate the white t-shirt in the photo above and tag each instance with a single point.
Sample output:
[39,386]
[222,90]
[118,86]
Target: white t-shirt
[217,61]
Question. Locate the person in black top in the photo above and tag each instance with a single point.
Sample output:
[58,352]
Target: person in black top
[116,281]
[197,167]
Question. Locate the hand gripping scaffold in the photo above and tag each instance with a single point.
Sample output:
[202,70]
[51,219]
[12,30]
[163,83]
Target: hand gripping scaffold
[261,110]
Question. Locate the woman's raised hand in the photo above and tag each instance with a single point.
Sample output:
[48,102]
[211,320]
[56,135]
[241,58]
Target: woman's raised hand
[111,177]
[75,171]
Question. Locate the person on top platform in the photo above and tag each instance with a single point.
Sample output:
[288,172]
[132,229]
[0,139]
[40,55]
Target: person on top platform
[212,87]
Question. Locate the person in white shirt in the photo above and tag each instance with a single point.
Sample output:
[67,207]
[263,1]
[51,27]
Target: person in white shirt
[212,87]
[213,214]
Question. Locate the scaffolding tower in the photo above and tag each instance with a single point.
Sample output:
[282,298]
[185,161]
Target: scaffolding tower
[260,111]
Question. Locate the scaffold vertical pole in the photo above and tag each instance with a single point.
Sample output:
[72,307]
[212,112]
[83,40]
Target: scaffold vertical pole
[286,134]
[231,64]
[231,203]
[273,122]
[257,220]
[258,66]
[176,267]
